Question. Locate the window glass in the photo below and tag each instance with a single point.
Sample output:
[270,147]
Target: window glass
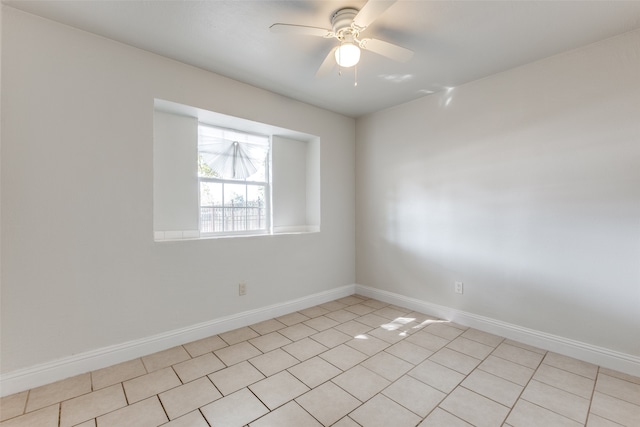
[232,155]
[232,174]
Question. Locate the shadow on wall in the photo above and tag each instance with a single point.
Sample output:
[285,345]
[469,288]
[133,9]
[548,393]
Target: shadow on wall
[541,241]
[546,260]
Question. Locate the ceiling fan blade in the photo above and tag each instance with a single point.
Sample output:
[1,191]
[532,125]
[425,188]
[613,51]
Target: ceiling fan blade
[301,29]
[328,63]
[387,49]
[370,12]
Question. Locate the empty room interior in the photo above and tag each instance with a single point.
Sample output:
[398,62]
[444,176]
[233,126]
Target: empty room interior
[212,214]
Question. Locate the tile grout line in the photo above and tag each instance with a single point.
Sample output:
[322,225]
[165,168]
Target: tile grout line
[176,374]
[126,398]
[549,385]
[452,414]
[606,394]
[563,390]
[344,371]
[26,403]
[458,385]
[202,415]
[461,381]
[393,382]
[593,392]
[524,387]
[553,412]
[328,380]
[616,397]
[389,385]
[214,384]
[517,363]
[157,396]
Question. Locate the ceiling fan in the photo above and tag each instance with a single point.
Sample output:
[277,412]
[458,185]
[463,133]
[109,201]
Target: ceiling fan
[346,26]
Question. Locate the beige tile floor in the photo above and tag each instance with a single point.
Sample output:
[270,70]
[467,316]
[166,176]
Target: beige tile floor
[350,362]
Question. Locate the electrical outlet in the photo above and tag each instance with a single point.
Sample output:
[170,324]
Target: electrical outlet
[459,287]
[242,289]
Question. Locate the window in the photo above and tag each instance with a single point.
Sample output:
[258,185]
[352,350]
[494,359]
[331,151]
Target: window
[233,180]
[216,175]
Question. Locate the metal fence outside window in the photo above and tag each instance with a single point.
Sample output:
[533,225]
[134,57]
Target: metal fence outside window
[215,219]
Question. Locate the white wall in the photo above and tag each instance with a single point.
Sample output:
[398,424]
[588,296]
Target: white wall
[314,190]
[294,172]
[524,185]
[80,269]
[289,174]
[175,189]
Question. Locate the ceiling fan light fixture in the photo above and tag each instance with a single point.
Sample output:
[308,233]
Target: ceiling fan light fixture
[347,55]
[347,24]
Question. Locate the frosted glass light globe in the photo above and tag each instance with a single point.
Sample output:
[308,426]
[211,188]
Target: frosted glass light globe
[347,55]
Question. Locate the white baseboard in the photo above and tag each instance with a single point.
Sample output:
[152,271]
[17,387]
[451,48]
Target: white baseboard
[45,373]
[604,357]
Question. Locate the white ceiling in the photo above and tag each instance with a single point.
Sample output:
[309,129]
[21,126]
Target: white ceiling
[455,42]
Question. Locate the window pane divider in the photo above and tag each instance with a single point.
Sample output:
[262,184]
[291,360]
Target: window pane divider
[231,181]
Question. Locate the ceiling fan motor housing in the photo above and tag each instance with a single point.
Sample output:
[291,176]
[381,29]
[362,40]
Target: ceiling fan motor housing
[342,19]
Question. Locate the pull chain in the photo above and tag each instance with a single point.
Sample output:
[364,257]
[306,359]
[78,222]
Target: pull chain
[355,74]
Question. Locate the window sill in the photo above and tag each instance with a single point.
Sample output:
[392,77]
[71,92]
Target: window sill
[174,236]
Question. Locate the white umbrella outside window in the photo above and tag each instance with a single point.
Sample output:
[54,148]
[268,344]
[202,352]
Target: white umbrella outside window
[232,159]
